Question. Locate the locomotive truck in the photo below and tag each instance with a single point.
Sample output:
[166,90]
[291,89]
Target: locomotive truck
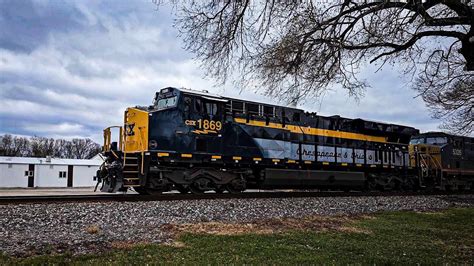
[194,141]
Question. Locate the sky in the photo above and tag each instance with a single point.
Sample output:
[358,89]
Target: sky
[70,68]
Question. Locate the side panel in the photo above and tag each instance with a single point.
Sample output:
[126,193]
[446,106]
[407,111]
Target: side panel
[312,178]
[136,130]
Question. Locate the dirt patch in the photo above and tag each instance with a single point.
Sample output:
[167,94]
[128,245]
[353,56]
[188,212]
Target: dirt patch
[126,245]
[270,226]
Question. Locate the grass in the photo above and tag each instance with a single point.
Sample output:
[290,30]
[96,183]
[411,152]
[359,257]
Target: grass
[388,238]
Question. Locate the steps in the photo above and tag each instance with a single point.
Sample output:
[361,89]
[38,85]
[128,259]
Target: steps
[131,170]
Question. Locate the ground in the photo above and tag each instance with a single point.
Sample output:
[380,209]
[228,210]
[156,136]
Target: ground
[399,237]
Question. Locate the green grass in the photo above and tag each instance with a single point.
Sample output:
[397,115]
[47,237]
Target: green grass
[390,238]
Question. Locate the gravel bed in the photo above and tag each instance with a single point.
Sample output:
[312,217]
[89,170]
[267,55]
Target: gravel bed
[78,228]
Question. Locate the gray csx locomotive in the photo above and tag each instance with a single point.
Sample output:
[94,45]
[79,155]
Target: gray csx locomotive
[195,141]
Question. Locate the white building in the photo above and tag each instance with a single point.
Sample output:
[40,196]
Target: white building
[47,172]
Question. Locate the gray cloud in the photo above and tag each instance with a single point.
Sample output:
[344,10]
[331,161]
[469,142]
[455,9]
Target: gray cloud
[69,69]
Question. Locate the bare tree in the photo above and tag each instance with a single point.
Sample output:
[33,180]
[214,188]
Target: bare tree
[14,146]
[299,49]
[42,147]
[84,148]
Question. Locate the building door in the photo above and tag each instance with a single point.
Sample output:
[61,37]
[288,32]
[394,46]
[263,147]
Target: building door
[70,169]
[31,175]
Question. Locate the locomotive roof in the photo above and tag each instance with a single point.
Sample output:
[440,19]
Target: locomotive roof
[205,93]
[442,134]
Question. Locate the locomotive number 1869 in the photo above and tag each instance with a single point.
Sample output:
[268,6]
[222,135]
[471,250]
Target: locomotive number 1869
[204,124]
[209,124]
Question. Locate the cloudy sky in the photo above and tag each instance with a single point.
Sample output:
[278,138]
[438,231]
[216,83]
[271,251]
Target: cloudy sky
[70,68]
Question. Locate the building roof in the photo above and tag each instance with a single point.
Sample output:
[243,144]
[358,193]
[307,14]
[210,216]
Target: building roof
[54,161]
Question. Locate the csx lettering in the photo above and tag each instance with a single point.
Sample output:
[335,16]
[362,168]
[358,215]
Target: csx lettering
[190,122]
[129,129]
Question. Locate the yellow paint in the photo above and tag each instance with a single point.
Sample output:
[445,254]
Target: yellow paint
[216,157]
[313,131]
[359,165]
[325,163]
[236,158]
[307,162]
[136,139]
[275,160]
[431,155]
[186,155]
[344,164]
[257,159]
[373,165]
[163,154]
[291,161]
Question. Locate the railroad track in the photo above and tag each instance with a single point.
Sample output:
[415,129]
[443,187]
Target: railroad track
[177,196]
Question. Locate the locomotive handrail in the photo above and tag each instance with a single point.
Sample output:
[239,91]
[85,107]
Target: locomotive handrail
[108,138]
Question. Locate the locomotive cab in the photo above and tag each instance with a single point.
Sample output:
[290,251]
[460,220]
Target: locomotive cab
[445,161]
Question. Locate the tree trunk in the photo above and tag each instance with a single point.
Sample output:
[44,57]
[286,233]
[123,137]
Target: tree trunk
[467,49]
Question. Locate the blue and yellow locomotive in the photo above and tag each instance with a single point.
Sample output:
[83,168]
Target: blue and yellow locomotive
[196,141]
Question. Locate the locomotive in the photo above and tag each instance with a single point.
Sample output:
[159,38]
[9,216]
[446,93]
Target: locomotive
[194,141]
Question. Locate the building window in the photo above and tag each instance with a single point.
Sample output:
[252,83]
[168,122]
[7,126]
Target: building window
[62,174]
[10,165]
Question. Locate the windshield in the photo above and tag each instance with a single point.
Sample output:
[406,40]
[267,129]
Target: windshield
[437,140]
[167,103]
[417,141]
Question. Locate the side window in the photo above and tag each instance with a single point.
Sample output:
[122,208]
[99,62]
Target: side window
[187,106]
[198,105]
[211,108]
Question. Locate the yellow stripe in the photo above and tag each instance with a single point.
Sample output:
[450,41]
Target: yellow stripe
[275,160]
[236,158]
[307,162]
[163,154]
[186,155]
[257,159]
[359,165]
[216,157]
[344,164]
[325,163]
[373,165]
[313,131]
[291,161]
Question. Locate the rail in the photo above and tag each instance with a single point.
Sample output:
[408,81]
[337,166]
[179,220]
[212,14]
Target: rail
[209,196]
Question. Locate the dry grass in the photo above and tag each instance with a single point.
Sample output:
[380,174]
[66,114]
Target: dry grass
[93,229]
[269,226]
[125,245]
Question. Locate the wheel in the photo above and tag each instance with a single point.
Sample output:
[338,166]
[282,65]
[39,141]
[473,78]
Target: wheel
[200,185]
[141,190]
[219,190]
[237,185]
[182,189]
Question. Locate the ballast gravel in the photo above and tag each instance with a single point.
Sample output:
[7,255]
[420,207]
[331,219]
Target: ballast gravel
[78,228]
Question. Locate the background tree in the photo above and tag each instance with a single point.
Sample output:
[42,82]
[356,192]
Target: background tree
[299,49]
[42,147]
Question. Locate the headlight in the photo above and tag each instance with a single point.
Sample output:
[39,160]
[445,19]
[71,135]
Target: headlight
[153,144]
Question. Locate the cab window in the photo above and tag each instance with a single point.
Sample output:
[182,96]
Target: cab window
[417,141]
[436,140]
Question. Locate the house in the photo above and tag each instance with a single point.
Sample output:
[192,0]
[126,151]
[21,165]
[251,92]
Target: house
[24,172]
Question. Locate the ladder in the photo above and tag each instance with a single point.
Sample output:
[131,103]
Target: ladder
[131,170]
